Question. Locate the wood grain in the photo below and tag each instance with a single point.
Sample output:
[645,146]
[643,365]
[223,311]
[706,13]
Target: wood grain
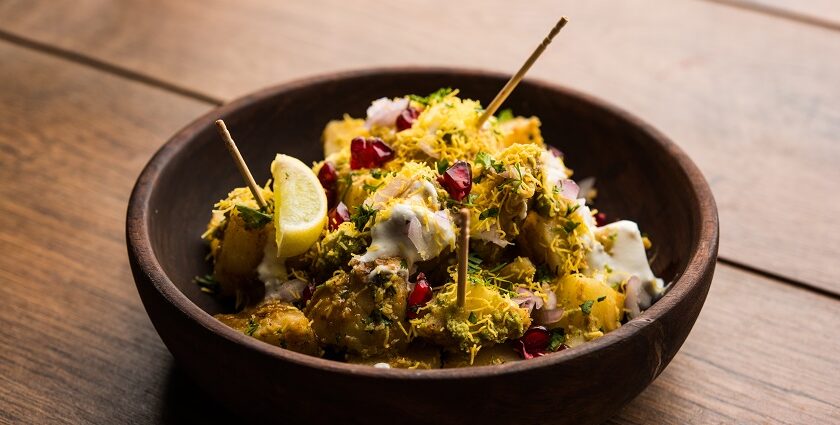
[824,13]
[77,346]
[740,91]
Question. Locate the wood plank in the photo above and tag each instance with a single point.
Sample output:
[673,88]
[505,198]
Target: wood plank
[742,92]
[77,346]
[760,352]
[825,13]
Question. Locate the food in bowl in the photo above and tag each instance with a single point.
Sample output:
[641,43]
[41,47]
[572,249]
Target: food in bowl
[355,258]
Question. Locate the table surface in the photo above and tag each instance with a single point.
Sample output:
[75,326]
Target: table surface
[90,89]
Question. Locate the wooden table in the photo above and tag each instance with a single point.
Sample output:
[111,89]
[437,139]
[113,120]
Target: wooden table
[90,89]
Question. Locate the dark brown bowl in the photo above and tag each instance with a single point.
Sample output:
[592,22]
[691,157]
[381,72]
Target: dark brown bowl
[641,176]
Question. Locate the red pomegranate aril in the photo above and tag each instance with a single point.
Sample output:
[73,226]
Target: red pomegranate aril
[406,118]
[338,215]
[419,296]
[600,219]
[369,153]
[457,180]
[534,342]
[328,178]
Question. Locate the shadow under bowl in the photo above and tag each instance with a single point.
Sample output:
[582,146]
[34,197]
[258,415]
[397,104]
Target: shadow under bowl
[641,176]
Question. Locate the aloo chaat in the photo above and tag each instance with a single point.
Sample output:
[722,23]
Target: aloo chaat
[354,258]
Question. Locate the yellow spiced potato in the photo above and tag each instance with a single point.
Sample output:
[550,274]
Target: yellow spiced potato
[276,323]
[357,254]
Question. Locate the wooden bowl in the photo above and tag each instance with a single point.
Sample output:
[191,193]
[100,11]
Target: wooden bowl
[641,176]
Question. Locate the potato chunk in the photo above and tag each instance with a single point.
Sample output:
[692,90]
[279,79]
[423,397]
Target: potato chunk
[238,253]
[592,308]
[276,323]
[362,312]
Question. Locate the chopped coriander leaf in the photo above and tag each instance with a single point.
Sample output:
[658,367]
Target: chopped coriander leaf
[252,327]
[468,202]
[442,165]
[505,115]
[516,183]
[570,208]
[370,188]
[607,268]
[488,162]
[474,263]
[499,267]
[473,319]
[570,226]
[254,219]
[489,212]
[376,173]
[377,318]
[558,337]
[543,274]
[435,97]
[586,307]
[362,216]
[207,283]
[602,298]
[484,159]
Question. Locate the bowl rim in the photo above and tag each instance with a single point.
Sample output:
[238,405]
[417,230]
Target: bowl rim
[139,243]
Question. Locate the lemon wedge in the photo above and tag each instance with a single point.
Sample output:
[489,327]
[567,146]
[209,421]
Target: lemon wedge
[300,206]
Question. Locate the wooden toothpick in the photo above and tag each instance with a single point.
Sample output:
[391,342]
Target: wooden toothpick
[511,84]
[463,254]
[240,163]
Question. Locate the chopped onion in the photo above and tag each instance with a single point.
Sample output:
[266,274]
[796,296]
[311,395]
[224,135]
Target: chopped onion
[547,317]
[634,292]
[527,300]
[569,189]
[585,187]
[415,234]
[384,112]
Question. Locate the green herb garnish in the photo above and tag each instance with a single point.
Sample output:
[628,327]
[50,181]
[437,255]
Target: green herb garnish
[370,188]
[252,327]
[558,337]
[254,219]
[504,115]
[543,274]
[207,283]
[488,162]
[362,216]
[586,307]
[473,318]
[442,165]
[570,226]
[474,263]
[489,212]
[435,97]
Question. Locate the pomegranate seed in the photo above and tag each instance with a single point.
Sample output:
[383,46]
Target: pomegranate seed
[406,118]
[600,219]
[534,342]
[306,295]
[556,152]
[328,178]
[369,153]
[338,215]
[457,180]
[421,295]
